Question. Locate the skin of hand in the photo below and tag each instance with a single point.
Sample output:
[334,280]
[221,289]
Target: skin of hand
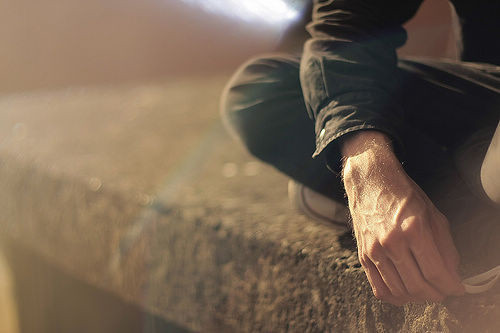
[404,242]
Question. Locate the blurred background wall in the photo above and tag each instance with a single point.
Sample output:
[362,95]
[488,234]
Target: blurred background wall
[53,43]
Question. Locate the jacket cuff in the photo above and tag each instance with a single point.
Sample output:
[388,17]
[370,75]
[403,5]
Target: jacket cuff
[329,140]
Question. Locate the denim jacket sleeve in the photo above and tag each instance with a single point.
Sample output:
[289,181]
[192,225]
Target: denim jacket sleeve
[348,69]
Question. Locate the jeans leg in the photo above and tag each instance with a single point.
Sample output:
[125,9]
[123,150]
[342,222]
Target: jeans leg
[263,106]
[449,101]
[456,105]
[445,103]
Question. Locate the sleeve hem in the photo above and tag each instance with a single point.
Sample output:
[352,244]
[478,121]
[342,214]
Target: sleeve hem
[329,148]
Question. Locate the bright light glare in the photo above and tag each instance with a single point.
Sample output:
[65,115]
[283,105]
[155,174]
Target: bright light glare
[272,12]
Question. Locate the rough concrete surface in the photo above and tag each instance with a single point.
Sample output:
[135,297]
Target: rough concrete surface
[8,314]
[138,190]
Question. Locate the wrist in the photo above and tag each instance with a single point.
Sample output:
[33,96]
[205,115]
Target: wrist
[360,141]
[369,157]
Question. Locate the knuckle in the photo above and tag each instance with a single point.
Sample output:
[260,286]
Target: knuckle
[374,251]
[390,240]
[380,294]
[432,276]
[363,260]
[412,228]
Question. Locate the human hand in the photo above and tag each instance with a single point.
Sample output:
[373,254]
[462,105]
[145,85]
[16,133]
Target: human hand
[404,242]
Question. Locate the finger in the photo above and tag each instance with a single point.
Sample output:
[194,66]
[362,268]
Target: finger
[432,265]
[391,278]
[417,286]
[379,288]
[446,246]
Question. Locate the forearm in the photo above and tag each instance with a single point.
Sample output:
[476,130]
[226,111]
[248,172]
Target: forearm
[368,154]
[404,243]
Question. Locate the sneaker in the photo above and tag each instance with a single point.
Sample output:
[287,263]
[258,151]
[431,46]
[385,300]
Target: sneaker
[317,206]
[489,169]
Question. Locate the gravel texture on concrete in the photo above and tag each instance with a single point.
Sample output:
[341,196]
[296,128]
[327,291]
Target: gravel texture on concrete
[138,190]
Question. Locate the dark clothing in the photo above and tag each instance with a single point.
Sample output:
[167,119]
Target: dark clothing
[263,104]
[349,72]
[480,30]
[350,79]
[476,29]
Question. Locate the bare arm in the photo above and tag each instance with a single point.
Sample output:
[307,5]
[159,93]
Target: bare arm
[404,243]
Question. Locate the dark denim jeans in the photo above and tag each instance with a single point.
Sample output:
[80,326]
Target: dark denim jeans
[451,112]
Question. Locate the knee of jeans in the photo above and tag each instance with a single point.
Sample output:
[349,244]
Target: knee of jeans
[245,102]
[244,125]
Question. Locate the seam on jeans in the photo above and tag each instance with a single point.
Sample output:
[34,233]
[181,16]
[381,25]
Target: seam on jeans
[323,78]
[444,66]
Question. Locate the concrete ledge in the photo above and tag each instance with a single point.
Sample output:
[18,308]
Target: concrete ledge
[215,247]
